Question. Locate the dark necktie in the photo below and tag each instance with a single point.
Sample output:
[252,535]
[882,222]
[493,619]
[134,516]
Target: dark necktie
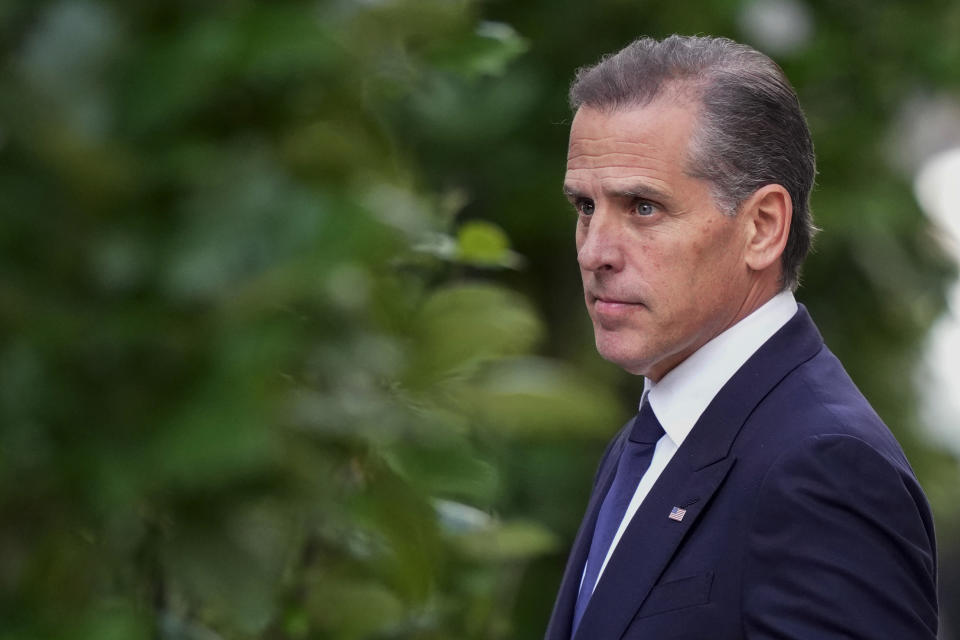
[633,463]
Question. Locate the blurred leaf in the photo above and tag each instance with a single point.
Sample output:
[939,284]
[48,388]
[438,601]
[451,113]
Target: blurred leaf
[487,51]
[354,609]
[456,517]
[483,244]
[537,398]
[405,533]
[113,623]
[462,325]
[448,467]
[509,541]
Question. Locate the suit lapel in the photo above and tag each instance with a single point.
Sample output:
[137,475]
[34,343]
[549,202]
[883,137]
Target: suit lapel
[689,481]
[562,618]
[648,544]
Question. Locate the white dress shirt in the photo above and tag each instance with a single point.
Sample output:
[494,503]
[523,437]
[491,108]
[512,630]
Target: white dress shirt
[680,397]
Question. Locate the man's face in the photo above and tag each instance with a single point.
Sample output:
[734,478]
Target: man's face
[663,268]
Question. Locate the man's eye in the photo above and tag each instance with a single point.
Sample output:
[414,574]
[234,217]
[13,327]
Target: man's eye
[585,207]
[645,209]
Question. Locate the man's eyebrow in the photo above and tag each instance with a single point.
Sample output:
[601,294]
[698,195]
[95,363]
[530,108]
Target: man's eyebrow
[572,194]
[642,191]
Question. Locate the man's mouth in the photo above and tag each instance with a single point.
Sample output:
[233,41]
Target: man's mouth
[609,305]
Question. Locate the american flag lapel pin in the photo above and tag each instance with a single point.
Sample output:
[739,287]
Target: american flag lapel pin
[677,514]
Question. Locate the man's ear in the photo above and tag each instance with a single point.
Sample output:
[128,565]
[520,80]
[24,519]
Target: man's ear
[769,212]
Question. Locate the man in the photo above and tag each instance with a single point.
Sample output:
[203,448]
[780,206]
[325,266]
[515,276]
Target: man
[757,494]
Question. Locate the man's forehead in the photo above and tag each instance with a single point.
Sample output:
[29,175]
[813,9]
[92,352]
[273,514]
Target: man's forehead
[653,137]
[589,152]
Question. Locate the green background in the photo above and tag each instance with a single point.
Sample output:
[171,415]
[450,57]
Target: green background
[291,337]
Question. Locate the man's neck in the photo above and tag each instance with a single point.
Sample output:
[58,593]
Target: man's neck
[681,396]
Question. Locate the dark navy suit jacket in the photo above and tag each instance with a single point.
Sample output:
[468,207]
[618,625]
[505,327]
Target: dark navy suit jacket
[803,519]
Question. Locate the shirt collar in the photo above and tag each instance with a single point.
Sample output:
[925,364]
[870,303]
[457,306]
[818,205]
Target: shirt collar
[681,396]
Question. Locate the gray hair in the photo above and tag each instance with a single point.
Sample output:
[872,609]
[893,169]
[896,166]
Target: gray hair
[751,131]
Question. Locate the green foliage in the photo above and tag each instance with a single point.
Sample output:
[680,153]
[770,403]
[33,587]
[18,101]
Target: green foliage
[238,384]
[483,244]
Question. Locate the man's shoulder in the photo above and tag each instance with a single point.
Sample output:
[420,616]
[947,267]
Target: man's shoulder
[818,399]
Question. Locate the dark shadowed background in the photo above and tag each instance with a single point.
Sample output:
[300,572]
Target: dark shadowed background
[292,343]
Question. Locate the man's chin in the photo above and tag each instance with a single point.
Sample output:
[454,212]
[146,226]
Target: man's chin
[612,349]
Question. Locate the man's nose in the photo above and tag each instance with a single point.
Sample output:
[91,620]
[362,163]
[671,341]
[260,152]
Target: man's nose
[601,248]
